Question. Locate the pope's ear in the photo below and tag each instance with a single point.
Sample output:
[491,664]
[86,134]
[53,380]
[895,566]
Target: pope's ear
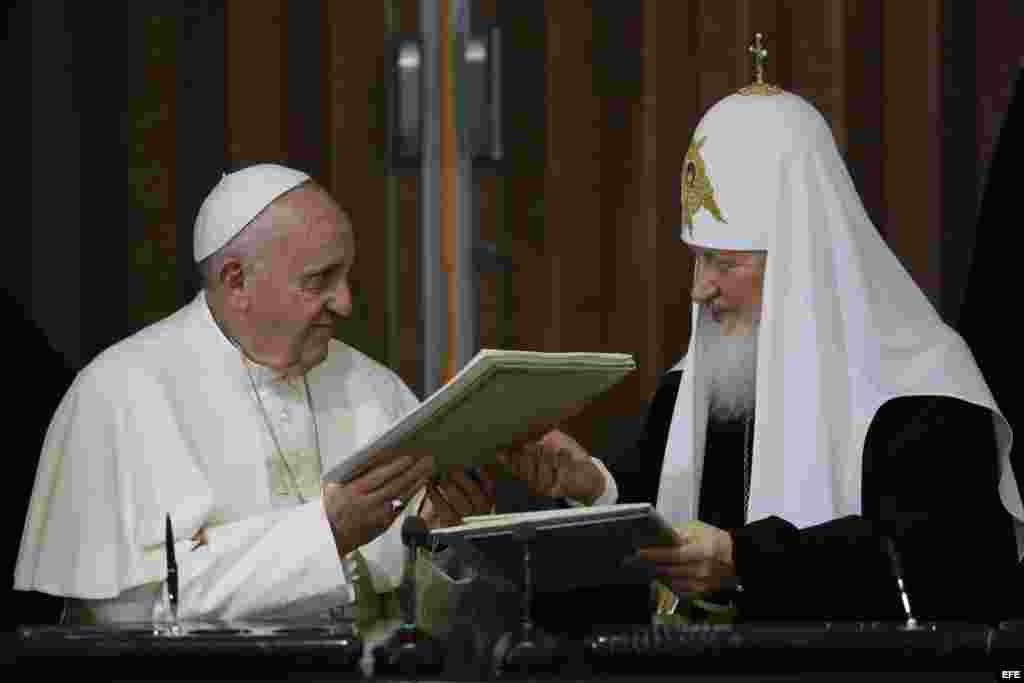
[231,278]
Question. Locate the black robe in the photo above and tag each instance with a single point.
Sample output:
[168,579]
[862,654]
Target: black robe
[929,484]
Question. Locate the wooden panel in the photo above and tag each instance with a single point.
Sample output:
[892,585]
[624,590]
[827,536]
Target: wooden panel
[616,304]
[671,97]
[524,114]
[816,58]
[768,18]
[912,138]
[494,292]
[618,60]
[57,161]
[863,103]
[408,299]
[200,153]
[151,134]
[304,54]
[648,107]
[573,220]
[355,175]
[404,193]
[998,26]
[647,269]
[254,81]
[645,223]
[722,57]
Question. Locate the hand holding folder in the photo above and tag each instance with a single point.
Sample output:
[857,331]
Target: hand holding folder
[573,548]
[500,399]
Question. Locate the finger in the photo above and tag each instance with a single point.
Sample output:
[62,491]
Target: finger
[457,497]
[657,553]
[381,474]
[553,441]
[490,476]
[683,586]
[407,482]
[517,464]
[693,553]
[472,492]
[534,475]
[547,473]
[557,440]
[563,474]
[512,463]
[410,490]
[403,488]
[199,538]
[442,508]
[681,571]
[527,465]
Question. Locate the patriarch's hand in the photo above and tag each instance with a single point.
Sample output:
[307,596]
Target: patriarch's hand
[702,561]
[457,495]
[556,466]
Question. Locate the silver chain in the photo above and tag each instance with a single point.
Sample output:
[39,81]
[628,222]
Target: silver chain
[270,428]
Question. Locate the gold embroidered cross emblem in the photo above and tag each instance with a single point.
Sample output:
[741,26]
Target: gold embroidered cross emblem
[697,191]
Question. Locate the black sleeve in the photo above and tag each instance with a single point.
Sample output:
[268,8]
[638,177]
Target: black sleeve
[930,484]
[637,471]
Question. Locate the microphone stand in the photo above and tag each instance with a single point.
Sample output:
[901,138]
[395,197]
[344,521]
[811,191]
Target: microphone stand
[526,650]
[410,651]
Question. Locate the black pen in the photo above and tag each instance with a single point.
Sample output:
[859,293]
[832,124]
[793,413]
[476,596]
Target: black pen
[172,572]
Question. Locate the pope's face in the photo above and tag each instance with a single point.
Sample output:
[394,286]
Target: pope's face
[729,284]
[300,288]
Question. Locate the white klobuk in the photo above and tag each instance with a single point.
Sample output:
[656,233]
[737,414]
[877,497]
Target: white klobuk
[843,327]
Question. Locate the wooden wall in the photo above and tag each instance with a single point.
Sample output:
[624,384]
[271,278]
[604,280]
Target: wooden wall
[602,98]
[624,86]
[123,122]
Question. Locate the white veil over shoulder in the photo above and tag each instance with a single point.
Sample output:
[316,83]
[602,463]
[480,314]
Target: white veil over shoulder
[843,326]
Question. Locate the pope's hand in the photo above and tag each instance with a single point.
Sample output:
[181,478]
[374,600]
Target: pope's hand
[455,496]
[363,508]
[556,466]
[701,562]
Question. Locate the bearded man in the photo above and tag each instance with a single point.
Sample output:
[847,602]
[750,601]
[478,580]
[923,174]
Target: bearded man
[223,416]
[825,428]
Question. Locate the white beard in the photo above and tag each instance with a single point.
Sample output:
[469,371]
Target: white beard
[729,366]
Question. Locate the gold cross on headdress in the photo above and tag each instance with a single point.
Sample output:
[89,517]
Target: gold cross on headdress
[760,54]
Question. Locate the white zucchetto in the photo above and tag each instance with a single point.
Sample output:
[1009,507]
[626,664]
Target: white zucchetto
[237,199]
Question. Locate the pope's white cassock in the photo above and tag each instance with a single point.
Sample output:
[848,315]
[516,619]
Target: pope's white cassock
[174,420]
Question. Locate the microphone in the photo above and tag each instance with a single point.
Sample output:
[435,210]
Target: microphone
[415,535]
[897,571]
[410,651]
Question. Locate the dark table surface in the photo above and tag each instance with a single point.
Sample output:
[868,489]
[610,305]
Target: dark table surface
[775,652]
